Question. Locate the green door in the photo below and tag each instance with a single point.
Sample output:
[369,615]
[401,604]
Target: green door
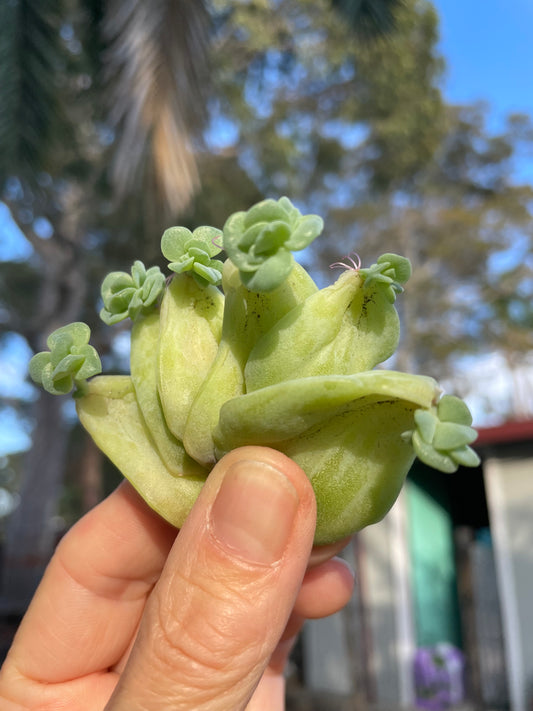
[432,558]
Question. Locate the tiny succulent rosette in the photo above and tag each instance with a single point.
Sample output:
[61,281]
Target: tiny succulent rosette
[442,435]
[260,241]
[128,295]
[68,363]
[193,252]
[390,271]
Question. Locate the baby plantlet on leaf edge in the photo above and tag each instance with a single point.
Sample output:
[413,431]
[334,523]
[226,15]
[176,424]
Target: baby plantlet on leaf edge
[68,363]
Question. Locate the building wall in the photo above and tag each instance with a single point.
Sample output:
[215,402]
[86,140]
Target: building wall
[326,661]
[368,647]
[387,594]
[509,485]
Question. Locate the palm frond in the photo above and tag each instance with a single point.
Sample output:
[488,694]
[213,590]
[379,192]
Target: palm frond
[370,18]
[31,56]
[156,69]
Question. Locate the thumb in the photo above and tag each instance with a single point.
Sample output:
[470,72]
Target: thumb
[227,589]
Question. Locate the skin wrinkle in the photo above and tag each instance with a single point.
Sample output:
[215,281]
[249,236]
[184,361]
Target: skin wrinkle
[115,588]
[79,592]
[187,640]
[76,695]
[203,699]
[200,669]
[231,589]
[229,581]
[105,584]
[113,539]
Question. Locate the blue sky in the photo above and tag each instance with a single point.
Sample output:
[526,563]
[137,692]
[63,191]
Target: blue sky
[488,47]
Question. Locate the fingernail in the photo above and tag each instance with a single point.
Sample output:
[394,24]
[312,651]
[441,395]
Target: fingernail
[254,511]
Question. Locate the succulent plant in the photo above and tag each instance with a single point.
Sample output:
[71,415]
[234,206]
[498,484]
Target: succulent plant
[267,358]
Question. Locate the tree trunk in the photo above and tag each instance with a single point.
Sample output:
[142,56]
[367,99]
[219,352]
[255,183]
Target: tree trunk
[30,531]
[91,484]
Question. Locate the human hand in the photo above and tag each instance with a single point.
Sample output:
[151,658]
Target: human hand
[129,616]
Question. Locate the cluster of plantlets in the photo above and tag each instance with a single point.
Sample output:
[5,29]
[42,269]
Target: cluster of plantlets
[250,351]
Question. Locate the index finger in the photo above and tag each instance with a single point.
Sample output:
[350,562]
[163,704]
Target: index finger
[89,603]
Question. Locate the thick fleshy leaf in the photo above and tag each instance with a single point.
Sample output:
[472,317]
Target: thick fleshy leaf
[357,464]
[399,268]
[190,330]
[37,365]
[61,385]
[144,365]
[271,274]
[453,409]
[193,251]
[174,241]
[110,413]
[273,236]
[389,272]
[110,319]
[444,444]
[342,329]
[265,211]
[183,266]
[247,315]
[432,457]
[77,333]
[426,423]
[69,365]
[207,274]
[466,457]
[91,363]
[308,228]
[286,410]
[450,435]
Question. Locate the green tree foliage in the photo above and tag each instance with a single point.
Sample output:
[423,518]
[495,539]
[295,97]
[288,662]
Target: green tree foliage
[465,223]
[359,132]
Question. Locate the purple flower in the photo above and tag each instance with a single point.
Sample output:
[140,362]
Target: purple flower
[438,676]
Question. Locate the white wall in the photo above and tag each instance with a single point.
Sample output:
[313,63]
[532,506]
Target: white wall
[387,594]
[383,582]
[509,487]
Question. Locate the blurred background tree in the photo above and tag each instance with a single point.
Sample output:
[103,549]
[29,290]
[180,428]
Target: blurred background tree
[101,104]
[359,132]
[119,119]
